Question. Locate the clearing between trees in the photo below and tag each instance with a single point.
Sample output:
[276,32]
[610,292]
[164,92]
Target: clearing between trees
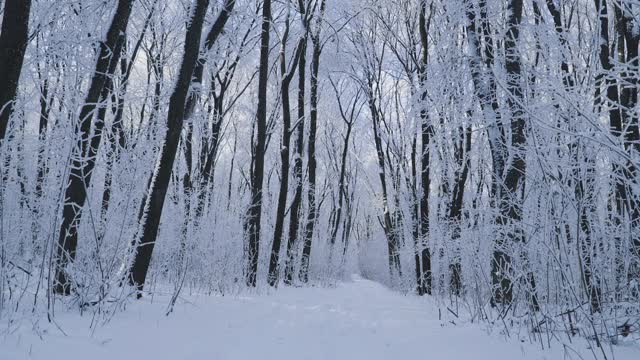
[360,319]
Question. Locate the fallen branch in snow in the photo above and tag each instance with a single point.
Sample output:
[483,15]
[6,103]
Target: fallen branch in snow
[452,312]
[20,268]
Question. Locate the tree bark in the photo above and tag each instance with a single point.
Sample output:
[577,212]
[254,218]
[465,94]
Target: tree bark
[13,42]
[162,173]
[296,204]
[630,137]
[422,253]
[254,212]
[388,225]
[311,150]
[507,176]
[510,208]
[463,160]
[287,76]
[86,148]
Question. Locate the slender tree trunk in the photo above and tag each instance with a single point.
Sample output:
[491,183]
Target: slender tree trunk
[510,208]
[387,223]
[455,210]
[423,255]
[311,150]
[296,204]
[584,181]
[212,36]
[349,116]
[507,177]
[287,76]
[43,124]
[294,219]
[254,212]
[415,215]
[86,148]
[208,156]
[341,183]
[46,100]
[162,173]
[116,141]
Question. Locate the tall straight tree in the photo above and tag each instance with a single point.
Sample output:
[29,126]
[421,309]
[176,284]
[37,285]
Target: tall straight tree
[162,172]
[509,201]
[254,212]
[286,73]
[423,255]
[311,150]
[296,204]
[86,147]
[13,42]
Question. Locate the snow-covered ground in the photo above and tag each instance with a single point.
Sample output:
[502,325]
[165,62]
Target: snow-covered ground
[356,320]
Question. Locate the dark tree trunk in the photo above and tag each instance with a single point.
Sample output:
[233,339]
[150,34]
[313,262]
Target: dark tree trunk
[210,149]
[86,148]
[311,151]
[116,141]
[347,228]
[557,22]
[220,82]
[423,255]
[415,214]
[296,204]
[208,154]
[504,186]
[341,183]
[582,182]
[43,124]
[217,93]
[287,76]
[388,225]
[162,176]
[212,36]
[187,187]
[341,180]
[510,208]
[254,212]
[46,100]
[630,136]
[13,42]
[349,116]
[455,209]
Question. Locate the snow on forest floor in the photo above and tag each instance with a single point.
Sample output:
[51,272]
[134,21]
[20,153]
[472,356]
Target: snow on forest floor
[360,319]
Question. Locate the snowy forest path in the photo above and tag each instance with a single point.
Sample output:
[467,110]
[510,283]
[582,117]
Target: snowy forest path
[360,319]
